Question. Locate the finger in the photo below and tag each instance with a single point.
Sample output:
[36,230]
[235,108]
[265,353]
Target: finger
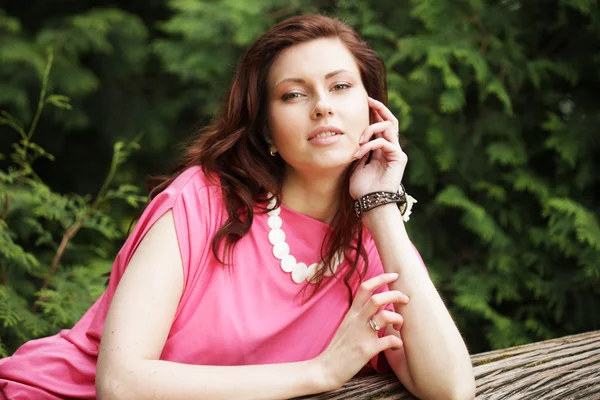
[367,288]
[378,154]
[381,112]
[384,112]
[385,317]
[392,134]
[383,129]
[376,116]
[363,161]
[379,300]
[380,144]
[389,342]
[373,129]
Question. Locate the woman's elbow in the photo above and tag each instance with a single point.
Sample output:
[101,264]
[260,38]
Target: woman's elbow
[108,390]
[465,391]
[459,389]
[110,385]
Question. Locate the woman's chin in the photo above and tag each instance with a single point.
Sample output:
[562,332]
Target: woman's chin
[331,164]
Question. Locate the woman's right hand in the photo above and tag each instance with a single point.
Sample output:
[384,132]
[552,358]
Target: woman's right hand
[355,341]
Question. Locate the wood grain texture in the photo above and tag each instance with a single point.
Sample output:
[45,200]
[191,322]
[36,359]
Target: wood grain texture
[566,368]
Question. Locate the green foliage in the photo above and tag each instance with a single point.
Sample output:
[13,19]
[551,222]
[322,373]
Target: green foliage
[498,108]
[42,287]
[511,132]
[223,30]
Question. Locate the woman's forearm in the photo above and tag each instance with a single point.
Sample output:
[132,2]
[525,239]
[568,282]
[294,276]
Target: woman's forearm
[437,359]
[156,379]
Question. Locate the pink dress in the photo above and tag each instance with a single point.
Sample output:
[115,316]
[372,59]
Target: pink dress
[252,314]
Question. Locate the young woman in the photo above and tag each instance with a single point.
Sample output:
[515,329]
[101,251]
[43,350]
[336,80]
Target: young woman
[274,261]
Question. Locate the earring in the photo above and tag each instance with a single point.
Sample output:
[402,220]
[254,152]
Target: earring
[272,151]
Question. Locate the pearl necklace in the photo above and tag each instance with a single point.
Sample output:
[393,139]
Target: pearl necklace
[281,250]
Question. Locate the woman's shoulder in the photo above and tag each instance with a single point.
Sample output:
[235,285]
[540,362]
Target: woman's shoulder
[193,181]
[192,188]
[195,198]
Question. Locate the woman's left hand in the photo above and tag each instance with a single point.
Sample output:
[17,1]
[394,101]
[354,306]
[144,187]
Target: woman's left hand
[386,166]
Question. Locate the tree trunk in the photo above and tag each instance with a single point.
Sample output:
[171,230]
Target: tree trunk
[563,368]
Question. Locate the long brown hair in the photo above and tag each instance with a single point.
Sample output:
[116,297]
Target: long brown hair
[234,149]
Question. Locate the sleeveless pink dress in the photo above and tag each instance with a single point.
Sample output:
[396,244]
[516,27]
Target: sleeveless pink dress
[251,314]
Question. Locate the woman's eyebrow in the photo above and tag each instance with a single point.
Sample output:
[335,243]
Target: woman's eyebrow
[300,80]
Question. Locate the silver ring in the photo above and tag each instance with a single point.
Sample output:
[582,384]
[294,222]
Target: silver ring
[374,325]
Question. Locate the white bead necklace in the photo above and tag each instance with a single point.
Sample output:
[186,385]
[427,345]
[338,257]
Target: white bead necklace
[281,250]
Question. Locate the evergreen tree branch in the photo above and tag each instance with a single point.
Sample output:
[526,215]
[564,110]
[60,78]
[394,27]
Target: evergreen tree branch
[42,98]
[109,177]
[487,38]
[120,153]
[27,139]
[69,234]
[10,198]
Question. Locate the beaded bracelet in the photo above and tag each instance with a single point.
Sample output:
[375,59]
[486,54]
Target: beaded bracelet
[375,199]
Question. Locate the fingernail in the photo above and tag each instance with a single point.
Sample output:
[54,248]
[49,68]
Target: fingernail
[356,154]
[362,139]
[394,274]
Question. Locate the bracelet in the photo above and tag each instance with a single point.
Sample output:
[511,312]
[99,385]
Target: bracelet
[376,199]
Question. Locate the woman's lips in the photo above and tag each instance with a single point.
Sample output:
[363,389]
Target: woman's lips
[325,140]
[325,129]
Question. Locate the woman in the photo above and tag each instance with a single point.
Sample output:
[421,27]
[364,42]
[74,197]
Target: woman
[253,272]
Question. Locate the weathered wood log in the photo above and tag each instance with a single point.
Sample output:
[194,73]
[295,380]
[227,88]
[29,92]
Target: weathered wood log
[564,368]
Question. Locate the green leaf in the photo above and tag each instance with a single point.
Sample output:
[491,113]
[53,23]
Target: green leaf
[505,153]
[59,101]
[452,100]
[10,25]
[583,222]
[475,217]
[7,119]
[497,88]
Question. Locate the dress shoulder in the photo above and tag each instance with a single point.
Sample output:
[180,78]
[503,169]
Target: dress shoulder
[68,359]
[196,204]
[194,201]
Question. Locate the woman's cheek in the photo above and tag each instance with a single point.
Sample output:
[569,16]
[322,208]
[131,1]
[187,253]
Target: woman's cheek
[284,126]
[357,109]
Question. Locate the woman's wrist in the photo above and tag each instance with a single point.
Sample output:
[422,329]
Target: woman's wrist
[382,214]
[372,200]
[322,375]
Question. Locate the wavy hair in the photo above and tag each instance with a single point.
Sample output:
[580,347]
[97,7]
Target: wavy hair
[233,146]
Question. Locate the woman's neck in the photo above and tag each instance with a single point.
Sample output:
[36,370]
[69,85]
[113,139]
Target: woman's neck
[315,195]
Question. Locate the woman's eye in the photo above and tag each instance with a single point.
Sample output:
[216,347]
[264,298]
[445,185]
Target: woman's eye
[341,86]
[292,95]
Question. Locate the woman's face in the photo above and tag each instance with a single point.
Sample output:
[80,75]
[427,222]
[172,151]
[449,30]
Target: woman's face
[317,105]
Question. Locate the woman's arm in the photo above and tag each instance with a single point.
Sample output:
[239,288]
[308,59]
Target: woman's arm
[137,325]
[434,362]
[155,379]
[140,318]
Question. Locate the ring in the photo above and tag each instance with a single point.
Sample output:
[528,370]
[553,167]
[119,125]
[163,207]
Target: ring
[374,325]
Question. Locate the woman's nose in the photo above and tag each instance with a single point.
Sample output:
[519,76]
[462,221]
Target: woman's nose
[322,108]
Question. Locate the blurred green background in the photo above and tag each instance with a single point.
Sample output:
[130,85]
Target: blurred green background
[499,107]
